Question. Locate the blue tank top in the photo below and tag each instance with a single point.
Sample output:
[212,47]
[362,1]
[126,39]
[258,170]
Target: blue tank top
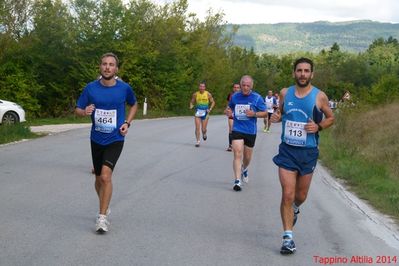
[296,113]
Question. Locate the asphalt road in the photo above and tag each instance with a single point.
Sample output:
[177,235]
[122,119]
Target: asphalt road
[173,204]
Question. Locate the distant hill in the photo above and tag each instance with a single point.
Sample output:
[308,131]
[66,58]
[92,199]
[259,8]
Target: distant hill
[283,38]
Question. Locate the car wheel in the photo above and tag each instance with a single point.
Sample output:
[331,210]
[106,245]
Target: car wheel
[10,118]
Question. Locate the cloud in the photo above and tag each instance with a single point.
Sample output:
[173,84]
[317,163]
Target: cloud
[274,11]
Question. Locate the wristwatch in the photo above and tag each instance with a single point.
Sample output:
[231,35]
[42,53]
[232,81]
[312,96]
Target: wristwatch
[128,124]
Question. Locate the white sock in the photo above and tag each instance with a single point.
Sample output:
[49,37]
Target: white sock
[288,234]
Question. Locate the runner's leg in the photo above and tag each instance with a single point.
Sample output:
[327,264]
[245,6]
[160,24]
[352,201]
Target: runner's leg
[247,156]
[288,183]
[204,124]
[238,150]
[197,122]
[302,188]
[105,191]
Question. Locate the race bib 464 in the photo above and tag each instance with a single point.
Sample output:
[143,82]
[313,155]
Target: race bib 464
[104,120]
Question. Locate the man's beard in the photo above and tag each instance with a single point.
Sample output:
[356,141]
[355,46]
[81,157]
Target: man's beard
[302,85]
[107,78]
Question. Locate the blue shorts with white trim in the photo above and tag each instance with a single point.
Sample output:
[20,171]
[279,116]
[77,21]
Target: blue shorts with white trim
[293,158]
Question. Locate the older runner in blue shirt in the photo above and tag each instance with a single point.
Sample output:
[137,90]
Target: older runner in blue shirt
[245,106]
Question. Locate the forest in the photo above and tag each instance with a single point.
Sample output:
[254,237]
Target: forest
[50,50]
[282,38]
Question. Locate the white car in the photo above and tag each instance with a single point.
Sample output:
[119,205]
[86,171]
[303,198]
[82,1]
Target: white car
[11,113]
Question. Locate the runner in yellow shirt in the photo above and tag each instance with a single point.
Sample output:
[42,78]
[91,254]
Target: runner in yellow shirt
[201,100]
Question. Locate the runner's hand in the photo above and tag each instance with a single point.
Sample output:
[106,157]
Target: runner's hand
[276,117]
[228,111]
[123,129]
[89,109]
[311,126]
[250,113]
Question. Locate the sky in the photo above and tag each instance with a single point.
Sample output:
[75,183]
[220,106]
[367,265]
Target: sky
[276,11]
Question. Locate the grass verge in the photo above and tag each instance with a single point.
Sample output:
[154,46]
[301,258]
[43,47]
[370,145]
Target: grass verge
[346,151]
[10,133]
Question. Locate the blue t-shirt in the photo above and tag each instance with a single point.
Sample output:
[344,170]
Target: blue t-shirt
[239,104]
[109,113]
[296,113]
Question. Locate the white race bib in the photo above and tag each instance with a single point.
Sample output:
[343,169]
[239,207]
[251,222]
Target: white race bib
[240,111]
[295,133]
[104,120]
[200,113]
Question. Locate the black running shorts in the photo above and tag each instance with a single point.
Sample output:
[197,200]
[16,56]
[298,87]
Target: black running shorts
[249,139]
[105,155]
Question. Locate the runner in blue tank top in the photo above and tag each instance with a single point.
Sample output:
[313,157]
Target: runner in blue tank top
[105,100]
[303,111]
[245,106]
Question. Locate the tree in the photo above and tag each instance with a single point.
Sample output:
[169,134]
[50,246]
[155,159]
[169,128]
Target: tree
[385,90]
[51,54]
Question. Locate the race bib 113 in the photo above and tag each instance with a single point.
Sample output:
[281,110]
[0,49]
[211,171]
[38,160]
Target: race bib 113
[295,133]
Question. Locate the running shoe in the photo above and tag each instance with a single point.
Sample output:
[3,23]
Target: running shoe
[268,131]
[204,136]
[244,175]
[229,149]
[288,246]
[237,185]
[107,213]
[296,212]
[264,130]
[102,224]
[197,144]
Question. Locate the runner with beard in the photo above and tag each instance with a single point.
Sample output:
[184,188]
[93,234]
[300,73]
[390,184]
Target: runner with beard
[304,112]
[105,101]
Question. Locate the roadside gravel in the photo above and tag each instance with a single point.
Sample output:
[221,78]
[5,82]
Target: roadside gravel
[52,129]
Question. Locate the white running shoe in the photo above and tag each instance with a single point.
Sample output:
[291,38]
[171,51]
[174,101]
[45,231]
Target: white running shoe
[102,224]
[107,213]
[237,185]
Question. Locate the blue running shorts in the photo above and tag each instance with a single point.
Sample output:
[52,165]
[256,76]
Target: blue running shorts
[293,158]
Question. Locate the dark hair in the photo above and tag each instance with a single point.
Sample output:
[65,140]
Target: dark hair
[303,60]
[202,82]
[110,55]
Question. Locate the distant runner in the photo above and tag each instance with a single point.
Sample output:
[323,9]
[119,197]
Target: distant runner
[271,104]
[236,88]
[201,100]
